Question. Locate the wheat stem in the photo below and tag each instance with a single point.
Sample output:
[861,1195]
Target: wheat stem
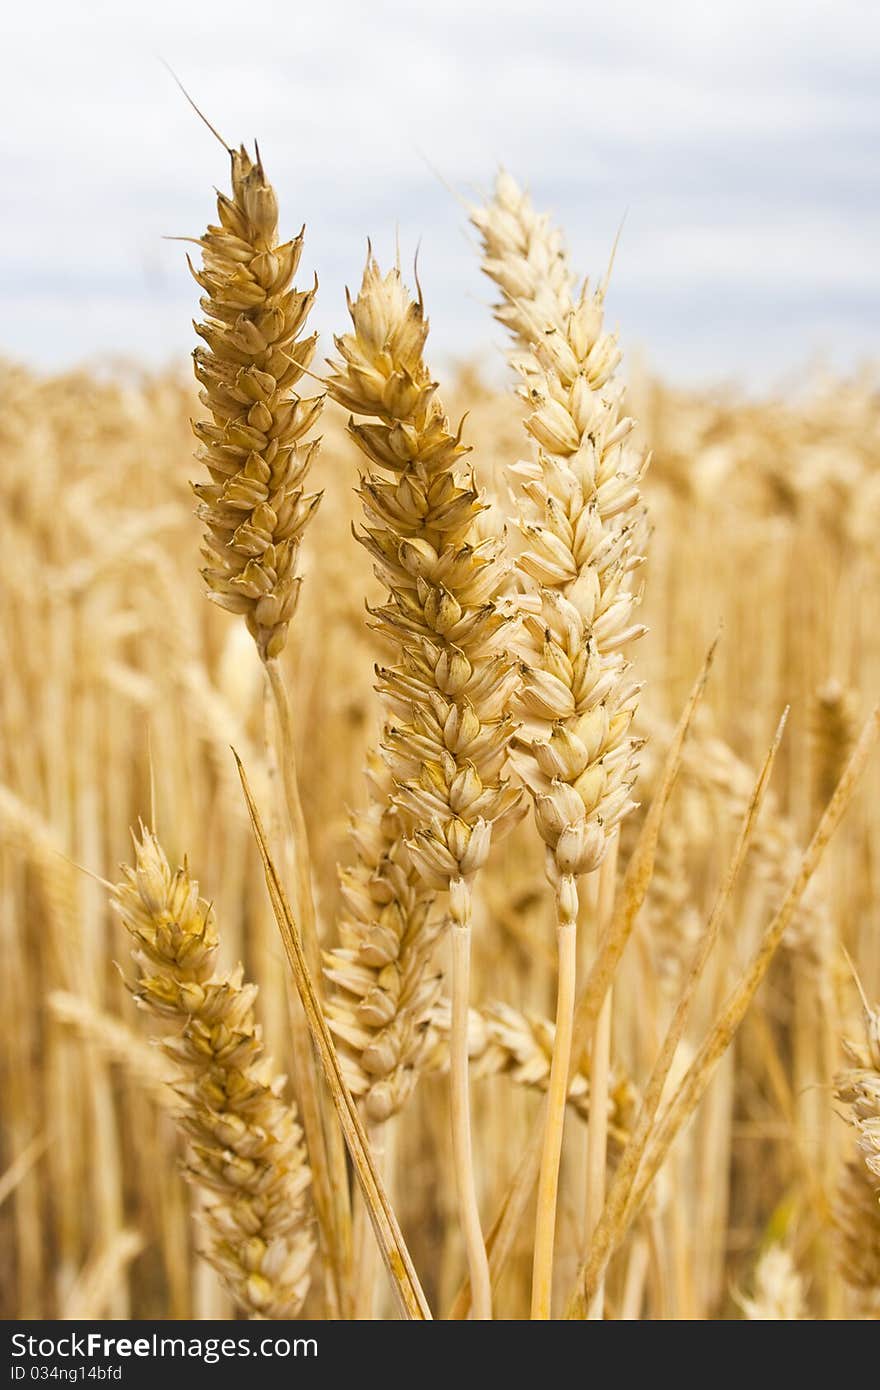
[600,1064]
[304,898]
[365,1248]
[323,1135]
[636,1275]
[465,1181]
[548,1178]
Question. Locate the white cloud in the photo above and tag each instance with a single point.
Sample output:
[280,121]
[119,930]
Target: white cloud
[739,135]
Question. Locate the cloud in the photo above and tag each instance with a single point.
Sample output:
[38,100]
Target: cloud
[738,137]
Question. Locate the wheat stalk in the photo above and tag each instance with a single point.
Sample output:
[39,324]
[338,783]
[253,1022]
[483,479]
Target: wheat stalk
[580,517]
[244,1143]
[448,731]
[255,510]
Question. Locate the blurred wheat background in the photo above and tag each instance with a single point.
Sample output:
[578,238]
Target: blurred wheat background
[764,517]
[123,693]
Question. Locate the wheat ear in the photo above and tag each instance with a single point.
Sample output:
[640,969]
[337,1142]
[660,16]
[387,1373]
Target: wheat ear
[448,732]
[244,1144]
[254,508]
[580,517]
[381,1005]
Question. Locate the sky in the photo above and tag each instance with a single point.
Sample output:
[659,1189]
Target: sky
[735,141]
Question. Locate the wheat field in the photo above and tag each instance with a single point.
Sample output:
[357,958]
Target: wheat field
[473,909]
